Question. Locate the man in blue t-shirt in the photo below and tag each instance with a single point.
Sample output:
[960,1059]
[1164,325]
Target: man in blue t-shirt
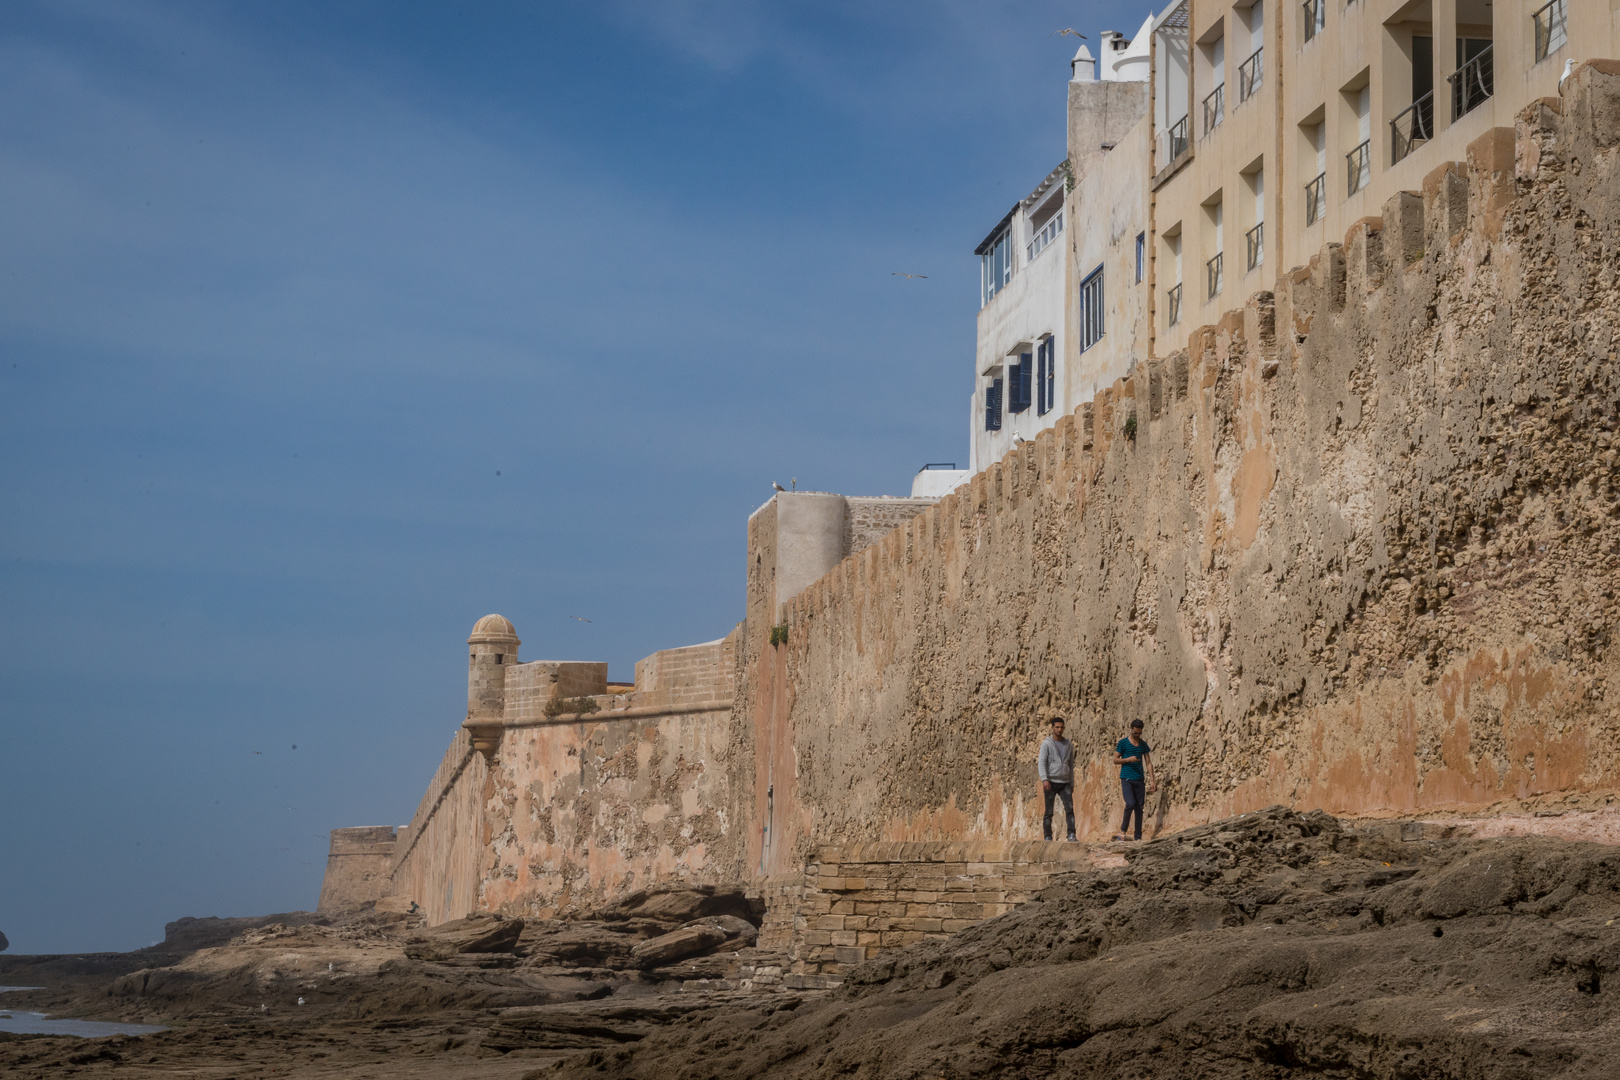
[1133,755]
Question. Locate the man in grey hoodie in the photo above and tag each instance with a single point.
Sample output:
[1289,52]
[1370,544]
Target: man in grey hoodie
[1056,766]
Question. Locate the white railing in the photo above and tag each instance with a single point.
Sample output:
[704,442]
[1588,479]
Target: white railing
[1041,240]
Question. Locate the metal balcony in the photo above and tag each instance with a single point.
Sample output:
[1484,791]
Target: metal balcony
[1472,84]
[1214,108]
[1315,199]
[1412,127]
[1358,168]
[1249,74]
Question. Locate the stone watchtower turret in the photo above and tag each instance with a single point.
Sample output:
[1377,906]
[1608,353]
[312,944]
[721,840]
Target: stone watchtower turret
[491,649]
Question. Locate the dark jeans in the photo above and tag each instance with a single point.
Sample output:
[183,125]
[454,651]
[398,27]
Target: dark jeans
[1135,792]
[1066,793]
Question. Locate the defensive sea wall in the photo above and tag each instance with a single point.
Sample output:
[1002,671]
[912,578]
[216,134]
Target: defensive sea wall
[1355,548]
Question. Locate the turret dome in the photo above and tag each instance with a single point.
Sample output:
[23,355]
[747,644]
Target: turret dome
[493,628]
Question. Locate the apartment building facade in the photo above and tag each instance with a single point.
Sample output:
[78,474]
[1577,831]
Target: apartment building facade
[1228,141]
[1279,124]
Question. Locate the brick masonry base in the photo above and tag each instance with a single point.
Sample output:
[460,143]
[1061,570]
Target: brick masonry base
[857,901]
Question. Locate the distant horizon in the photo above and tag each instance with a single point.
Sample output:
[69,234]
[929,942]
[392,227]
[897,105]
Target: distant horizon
[331,329]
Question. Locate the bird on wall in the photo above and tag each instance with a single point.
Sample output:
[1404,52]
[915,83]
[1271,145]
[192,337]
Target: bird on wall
[581,618]
[1069,30]
[777,486]
[1569,69]
[898,274]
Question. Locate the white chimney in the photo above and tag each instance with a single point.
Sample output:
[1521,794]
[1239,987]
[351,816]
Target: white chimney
[1083,68]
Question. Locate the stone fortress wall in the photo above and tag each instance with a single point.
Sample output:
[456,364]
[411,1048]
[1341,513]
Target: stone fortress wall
[1354,548]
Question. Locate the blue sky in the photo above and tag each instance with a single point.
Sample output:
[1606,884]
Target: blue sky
[326,328]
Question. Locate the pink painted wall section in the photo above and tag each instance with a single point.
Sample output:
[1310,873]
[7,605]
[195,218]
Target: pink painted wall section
[580,813]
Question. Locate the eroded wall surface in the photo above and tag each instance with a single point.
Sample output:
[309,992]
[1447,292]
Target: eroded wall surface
[578,809]
[1354,548]
[359,865]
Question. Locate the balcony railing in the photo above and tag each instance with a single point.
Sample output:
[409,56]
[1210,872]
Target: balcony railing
[1249,76]
[1175,141]
[1042,239]
[1552,28]
[1412,127]
[1315,199]
[1214,108]
[1212,270]
[1172,305]
[1471,84]
[1255,246]
[1358,164]
[1315,18]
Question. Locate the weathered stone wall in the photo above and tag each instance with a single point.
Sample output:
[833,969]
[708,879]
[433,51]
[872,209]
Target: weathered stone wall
[855,901]
[576,810]
[439,856]
[868,519]
[359,864]
[1354,549]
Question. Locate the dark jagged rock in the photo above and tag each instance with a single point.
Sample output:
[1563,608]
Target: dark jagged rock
[475,934]
[680,904]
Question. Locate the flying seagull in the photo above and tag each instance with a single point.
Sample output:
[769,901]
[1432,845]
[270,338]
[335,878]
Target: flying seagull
[258,751]
[1068,30]
[581,618]
[897,274]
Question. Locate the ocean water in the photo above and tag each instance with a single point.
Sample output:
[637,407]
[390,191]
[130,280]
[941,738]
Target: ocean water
[20,1022]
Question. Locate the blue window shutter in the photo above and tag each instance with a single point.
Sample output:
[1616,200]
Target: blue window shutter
[1040,379]
[1051,373]
[992,406]
[1023,375]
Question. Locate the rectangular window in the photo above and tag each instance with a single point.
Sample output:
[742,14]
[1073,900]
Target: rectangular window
[995,265]
[1141,256]
[1021,375]
[1315,18]
[1091,306]
[992,406]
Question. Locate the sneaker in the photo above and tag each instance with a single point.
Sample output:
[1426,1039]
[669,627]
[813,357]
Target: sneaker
[1071,838]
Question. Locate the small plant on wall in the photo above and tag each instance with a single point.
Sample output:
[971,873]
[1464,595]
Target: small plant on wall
[563,706]
[778,635]
[1130,427]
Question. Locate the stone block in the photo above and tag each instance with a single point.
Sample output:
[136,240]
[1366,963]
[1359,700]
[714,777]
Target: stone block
[829,922]
[850,954]
[845,937]
[954,926]
[818,937]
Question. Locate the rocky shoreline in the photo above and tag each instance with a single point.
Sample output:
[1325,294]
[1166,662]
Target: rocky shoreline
[1274,944]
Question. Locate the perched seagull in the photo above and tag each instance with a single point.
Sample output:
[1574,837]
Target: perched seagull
[1067,30]
[923,276]
[581,618]
[1569,69]
[777,486]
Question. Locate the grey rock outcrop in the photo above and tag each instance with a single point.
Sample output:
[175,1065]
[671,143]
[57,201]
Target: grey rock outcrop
[482,933]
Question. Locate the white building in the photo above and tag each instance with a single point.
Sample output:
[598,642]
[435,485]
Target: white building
[1048,270]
